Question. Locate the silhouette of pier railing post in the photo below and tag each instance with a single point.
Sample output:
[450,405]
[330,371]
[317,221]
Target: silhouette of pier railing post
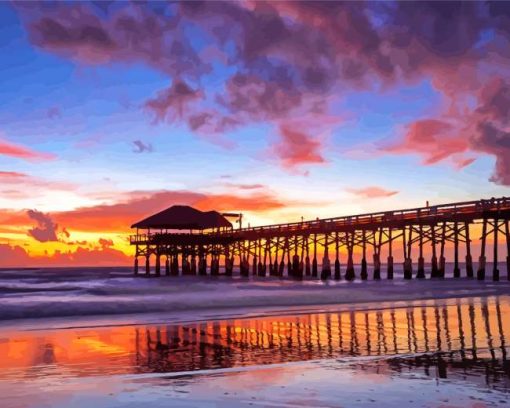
[192,242]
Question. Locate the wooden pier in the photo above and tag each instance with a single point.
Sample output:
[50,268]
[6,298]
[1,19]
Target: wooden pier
[191,242]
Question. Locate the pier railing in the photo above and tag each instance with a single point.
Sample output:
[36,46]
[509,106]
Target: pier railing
[461,211]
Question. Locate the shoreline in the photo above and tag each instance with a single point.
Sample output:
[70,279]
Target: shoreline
[246,300]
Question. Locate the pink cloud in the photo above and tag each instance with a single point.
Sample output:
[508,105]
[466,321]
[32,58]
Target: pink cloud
[434,140]
[482,129]
[29,186]
[22,152]
[372,192]
[296,148]
[12,176]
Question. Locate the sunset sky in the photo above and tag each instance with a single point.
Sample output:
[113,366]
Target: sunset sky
[111,111]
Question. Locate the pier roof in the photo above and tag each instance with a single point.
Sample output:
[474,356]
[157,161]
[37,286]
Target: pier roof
[184,217]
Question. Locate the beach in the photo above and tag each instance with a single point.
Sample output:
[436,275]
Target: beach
[100,337]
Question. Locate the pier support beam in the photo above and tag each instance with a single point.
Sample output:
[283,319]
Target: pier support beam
[421,268]
[377,267]
[469,258]
[315,269]
[495,269]
[289,264]
[326,264]
[338,273]
[456,269]
[158,265]
[167,266]
[408,268]
[408,263]
[228,265]
[273,270]
[507,233]
[308,269]
[434,272]
[295,260]
[364,268]
[295,266]
[301,268]
[421,260]
[174,267]
[480,274]
[389,266]
[147,266]
[193,269]
[281,267]
[202,265]
[442,261]
[350,274]
[377,255]
[136,266]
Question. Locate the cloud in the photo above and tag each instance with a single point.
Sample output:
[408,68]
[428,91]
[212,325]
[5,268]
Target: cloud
[141,147]
[288,61]
[254,98]
[105,243]
[495,141]
[372,192]
[46,229]
[53,112]
[66,233]
[296,148]
[254,186]
[27,186]
[13,256]
[479,129]
[12,176]
[435,140]
[172,103]
[16,256]
[21,152]
[130,33]
[139,204]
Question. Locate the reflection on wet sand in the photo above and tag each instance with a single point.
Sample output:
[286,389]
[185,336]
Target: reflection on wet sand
[460,338]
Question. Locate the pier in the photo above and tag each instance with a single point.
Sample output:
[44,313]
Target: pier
[186,241]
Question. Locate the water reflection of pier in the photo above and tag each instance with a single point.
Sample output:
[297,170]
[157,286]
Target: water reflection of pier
[463,336]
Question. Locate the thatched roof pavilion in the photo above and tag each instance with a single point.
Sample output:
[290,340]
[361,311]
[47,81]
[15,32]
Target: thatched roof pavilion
[183,217]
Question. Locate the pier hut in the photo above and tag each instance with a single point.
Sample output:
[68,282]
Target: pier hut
[185,232]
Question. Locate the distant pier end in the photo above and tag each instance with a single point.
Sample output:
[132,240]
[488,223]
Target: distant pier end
[194,242]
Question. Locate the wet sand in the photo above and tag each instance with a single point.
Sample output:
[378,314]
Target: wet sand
[443,352]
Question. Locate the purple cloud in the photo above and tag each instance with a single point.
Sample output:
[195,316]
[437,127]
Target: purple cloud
[46,229]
